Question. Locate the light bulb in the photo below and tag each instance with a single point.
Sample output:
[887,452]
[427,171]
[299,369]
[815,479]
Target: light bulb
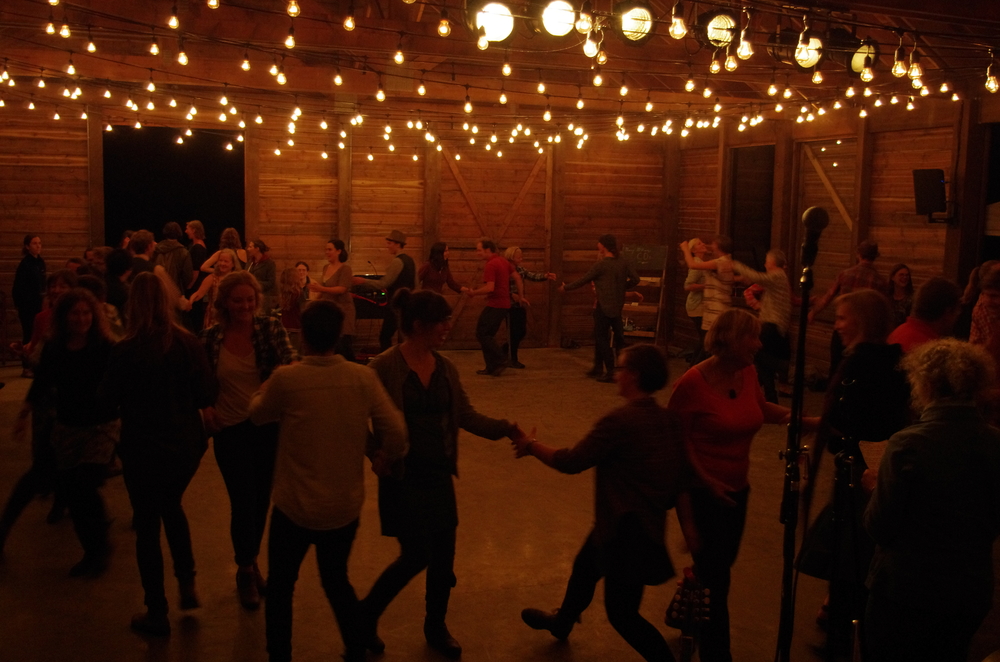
[945,88]
[182,58]
[866,73]
[64,31]
[71,70]
[778,108]
[602,57]
[482,42]
[910,105]
[324,155]
[421,90]
[745,50]
[623,90]
[293,8]
[503,97]
[444,27]
[547,116]
[894,100]
[579,103]
[772,90]
[419,124]
[917,83]
[867,92]
[817,77]
[232,110]
[505,70]
[107,127]
[685,133]
[258,119]
[349,21]
[850,92]
[541,87]
[179,140]
[290,39]
[707,92]
[380,94]
[689,85]
[415,157]
[291,142]
[243,124]
[715,67]
[55,115]
[590,46]
[323,125]
[678,28]
[107,94]
[154,48]
[213,4]
[246,62]
[878,102]
[649,106]
[837,105]
[620,121]
[598,79]
[863,113]
[223,100]
[787,93]
[338,80]
[585,19]
[274,69]
[150,106]
[899,67]
[955,97]
[53,2]
[277,151]
[992,85]
[398,57]
[91,46]
[138,124]
[229,147]
[717,107]
[915,71]
[924,91]
[731,62]
[222,117]
[468,104]
[172,22]
[281,78]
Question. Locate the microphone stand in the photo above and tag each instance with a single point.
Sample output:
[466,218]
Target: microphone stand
[790,494]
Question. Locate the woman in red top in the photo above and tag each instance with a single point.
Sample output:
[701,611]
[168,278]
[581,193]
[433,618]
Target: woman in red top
[722,407]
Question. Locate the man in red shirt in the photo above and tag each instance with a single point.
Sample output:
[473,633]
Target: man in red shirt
[936,306]
[496,278]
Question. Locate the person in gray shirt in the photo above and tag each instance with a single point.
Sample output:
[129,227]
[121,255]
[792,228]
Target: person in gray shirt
[611,275]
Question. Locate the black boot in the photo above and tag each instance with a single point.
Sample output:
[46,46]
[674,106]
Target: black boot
[441,640]
[559,626]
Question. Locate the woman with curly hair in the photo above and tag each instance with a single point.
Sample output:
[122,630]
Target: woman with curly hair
[244,347]
[227,263]
[86,429]
[900,293]
[935,512]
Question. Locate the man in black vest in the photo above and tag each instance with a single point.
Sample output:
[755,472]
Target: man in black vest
[401,272]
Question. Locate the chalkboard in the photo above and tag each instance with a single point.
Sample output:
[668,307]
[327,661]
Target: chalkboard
[645,257]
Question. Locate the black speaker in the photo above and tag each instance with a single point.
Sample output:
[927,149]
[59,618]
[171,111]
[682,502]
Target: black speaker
[928,191]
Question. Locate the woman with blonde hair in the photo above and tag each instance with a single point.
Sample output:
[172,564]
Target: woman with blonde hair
[226,263]
[721,407]
[244,348]
[229,239]
[935,509]
[162,439]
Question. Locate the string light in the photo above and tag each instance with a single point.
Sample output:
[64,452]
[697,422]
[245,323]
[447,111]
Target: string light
[482,42]
[787,93]
[150,86]
[623,90]
[547,116]
[649,103]
[945,88]
[817,76]
[172,22]
[867,75]
[64,31]
[707,92]
[83,115]
[282,79]
[598,79]
[915,70]
[689,85]
[50,28]
[899,67]
[585,20]
[910,105]
[602,57]
[55,115]
[678,28]
[182,57]
[715,67]
[992,85]
[579,99]
[323,125]
[541,84]
[468,101]
[349,23]
[293,8]
[70,69]
[91,46]
[154,47]
[338,80]
[107,93]
[274,67]
[591,45]
[745,50]
[290,39]
[380,93]
[398,57]
[731,61]
[503,96]
[245,66]
[505,69]
[917,83]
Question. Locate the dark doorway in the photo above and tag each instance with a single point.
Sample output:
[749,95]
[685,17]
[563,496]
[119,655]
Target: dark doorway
[991,242]
[150,179]
[750,204]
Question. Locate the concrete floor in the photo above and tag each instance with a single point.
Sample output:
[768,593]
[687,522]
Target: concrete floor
[521,526]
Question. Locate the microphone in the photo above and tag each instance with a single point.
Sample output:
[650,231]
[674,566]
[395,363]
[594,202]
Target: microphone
[815,219]
[373,267]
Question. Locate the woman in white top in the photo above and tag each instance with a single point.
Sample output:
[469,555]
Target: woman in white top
[718,293]
[694,285]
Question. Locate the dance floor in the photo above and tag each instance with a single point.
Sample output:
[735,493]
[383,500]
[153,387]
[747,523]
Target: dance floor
[521,525]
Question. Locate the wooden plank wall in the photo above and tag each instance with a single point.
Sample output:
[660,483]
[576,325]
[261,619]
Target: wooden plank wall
[297,198]
[43,190]
[610,186]
[698,216]
[901,234]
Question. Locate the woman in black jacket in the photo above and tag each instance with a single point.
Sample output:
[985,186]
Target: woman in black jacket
[160,378]
[29,286]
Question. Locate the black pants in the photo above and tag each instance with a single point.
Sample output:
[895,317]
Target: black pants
[622,597]
[896,630]
[775,348]
[81,487]
[721,529]
[518,330]
[389,326]
[155,489]
[433,549]
[245,454]
[26,315]
[604,326]
[286,547]
[486,330]
[37,480]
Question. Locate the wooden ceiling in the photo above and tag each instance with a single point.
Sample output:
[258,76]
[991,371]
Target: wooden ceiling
[954,40]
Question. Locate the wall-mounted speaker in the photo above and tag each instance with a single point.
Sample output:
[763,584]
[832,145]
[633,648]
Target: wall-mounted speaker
[928,192]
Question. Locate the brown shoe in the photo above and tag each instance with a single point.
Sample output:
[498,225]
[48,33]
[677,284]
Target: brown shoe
[246,587]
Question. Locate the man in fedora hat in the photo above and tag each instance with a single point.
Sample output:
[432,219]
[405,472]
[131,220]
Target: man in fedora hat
[401,272]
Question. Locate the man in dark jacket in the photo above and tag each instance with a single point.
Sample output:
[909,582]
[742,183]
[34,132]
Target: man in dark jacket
[173,257]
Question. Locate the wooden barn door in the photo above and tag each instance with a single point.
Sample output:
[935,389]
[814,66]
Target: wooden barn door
[503,198]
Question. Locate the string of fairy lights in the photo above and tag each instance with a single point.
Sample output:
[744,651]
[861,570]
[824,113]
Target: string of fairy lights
[732,36]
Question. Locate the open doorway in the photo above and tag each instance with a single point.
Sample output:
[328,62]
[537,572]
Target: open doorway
[151,179]
[991,240]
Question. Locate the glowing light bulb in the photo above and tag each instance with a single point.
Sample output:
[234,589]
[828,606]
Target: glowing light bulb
[715,67]
[787,93]
[223,117]
[246,62]
[91,46]
[924,91]
[772,90]
[349,23]
[778,108]
[192,110]
[107,94]
[945,88]
[817,77]
[718,107]
[324,155]
[380,94]
[290,39]
[547,116]
[293,8]
[915,71]
[154,48]
[579,102]
[468,104]
[323,125]
[258,119]
[707,92]
[689,85]
[910,105]
[107,127]
[541,87]
[678,28]
[850,92]
[867,75]
[917,83]
[503,97]
[867,92]
[590,46]
[150,106]
[955,97]
[50,28]
[229,147]
[444,27]
[182,58]
[745,50]
[138,124]
[731,62]
[899,67]
[482,42]
[878,102]
[172,22]
[338,80]
[55,115]
[649,106]
[71,70]
[598,79]
[64,31]
[281,78]
[179,140]
[213,4]
[863,113]
[623,90]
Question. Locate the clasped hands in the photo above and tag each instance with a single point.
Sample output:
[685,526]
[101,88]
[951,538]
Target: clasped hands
[521,441]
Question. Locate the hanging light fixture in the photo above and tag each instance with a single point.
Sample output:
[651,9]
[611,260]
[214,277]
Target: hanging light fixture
[678,28]
[592,45]
[635,21]
[579,98]
[745,50]
[505,69]
[154,47]
[915,70]
[541,83]
[992,85]
[290,39]
[598,80]
[867,75]
[380,92]
[731,61]
[349,23]
[444,26]
[899,67]
[293,8]
[585,18]
[182,57]
[338,80]
[172,22]
[468,101]
[558,18]
[716,66]
[482,42]
[91,46]
[71,69]
[503,96]
[716,28]
[213,4]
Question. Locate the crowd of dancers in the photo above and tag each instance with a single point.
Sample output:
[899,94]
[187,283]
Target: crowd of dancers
[145,353]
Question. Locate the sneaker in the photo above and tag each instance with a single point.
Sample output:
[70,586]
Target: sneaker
[246,587]
[149,623]
[536,619]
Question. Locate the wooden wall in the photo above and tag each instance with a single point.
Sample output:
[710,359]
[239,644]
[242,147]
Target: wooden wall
[44,189]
